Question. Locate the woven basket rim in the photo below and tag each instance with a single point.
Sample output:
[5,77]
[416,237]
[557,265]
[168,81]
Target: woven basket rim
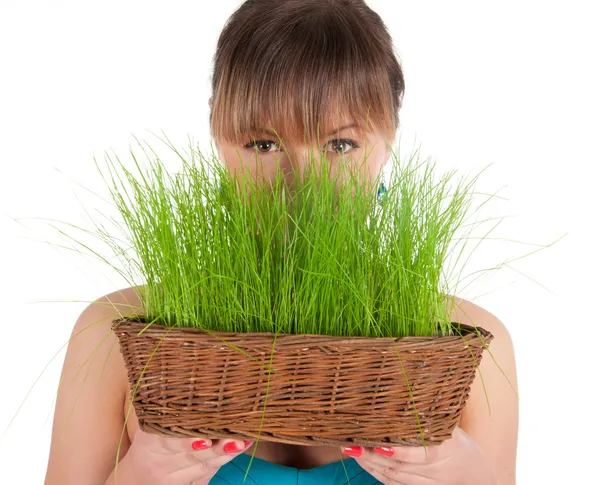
[464,330]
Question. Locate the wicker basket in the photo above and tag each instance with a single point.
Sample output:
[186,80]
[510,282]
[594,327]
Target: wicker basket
[323,390]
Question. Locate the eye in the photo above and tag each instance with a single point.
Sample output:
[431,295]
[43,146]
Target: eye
[340,142]
[259,145]
[263,145]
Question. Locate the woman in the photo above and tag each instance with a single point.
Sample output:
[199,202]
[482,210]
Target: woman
[290,77]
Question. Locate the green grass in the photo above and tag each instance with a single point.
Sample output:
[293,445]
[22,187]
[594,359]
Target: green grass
[320,255]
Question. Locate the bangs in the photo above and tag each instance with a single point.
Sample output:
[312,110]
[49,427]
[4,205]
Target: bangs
[302,81]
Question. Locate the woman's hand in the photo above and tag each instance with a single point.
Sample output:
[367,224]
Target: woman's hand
[456,461]
[157,460]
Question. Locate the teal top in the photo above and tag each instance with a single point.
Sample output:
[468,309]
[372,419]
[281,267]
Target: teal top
[263,472]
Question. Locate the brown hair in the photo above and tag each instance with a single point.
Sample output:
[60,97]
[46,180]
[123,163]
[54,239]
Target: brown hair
[284,63]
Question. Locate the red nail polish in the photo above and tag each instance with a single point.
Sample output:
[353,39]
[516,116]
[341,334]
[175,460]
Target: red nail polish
[352,450]
[247,442]
[231,447]
[200,445]
[386,450]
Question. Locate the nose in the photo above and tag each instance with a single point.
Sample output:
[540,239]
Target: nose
[295,160]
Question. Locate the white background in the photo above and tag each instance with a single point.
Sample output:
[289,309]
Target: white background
[513,82]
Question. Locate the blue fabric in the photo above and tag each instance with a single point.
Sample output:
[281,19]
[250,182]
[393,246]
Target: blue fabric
[264,472]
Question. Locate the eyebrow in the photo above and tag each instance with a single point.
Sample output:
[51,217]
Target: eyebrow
[341,128]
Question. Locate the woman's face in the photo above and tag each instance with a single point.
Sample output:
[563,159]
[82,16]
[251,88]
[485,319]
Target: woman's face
[259,154]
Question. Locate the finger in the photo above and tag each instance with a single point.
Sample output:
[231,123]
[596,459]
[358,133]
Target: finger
[221,449]
[204,463]
[410,472]
[392,474]
[369,455]
[227,447]
[407,454]
[383,478]
[168,445]
[410,454]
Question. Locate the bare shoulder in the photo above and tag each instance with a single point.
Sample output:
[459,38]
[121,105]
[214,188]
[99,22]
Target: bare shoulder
[491,413]
[467,312]
[88,416]
[92,338]
[94,325]
[119,302]
[498,362]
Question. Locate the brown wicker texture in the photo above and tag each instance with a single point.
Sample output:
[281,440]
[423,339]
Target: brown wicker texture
[324,390]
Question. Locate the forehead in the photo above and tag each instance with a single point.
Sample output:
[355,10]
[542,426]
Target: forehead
[326,128]
[296,121]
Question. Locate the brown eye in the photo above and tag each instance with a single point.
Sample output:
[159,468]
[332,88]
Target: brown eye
[260,145]
[338,144]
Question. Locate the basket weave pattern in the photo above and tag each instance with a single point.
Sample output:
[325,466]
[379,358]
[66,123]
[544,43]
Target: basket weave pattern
[324,390]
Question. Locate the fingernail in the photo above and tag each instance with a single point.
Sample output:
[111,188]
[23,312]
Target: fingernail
[247,442]
[352,450]
[386,450]
[232,447]
[200,444]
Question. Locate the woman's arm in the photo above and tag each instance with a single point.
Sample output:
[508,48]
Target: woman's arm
[88,419]
[493,428]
